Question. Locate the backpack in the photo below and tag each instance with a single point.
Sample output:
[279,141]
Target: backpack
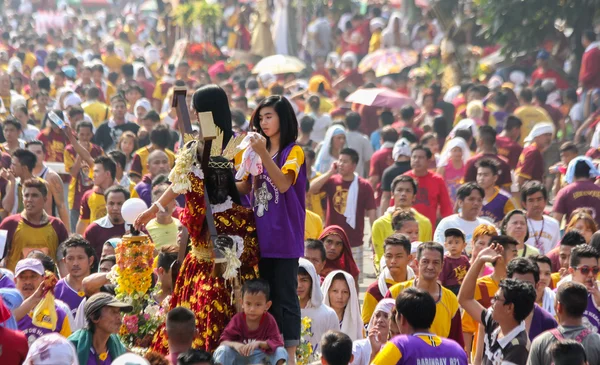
[559,336]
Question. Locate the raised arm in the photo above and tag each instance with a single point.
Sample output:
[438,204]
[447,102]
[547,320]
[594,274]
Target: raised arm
[168,196]
[466,296]
[79,149]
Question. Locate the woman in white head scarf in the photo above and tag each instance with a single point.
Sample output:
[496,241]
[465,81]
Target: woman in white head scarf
[378,330]
[334,142]
[393,35]
[452,163]
[141,107]
[323,318]
[339,291]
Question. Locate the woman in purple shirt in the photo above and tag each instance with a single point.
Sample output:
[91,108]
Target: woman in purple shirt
[279,209]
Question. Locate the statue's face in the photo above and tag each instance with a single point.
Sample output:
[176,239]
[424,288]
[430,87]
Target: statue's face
[218,184]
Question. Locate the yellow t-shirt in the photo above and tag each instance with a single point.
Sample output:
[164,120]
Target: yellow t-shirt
[325,107]
[375,42]
[382,229]
[163,234]
[446,308]
[313,201]
[530,115]
[113,62]
[93,206]
[139,166]
[294,161]
[313,226]
[97,110]
[531,251]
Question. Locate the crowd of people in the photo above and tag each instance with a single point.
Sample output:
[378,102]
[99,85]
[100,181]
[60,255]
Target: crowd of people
[478,199]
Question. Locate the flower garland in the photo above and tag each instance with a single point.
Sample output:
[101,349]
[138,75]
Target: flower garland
[133,279]
[304,352]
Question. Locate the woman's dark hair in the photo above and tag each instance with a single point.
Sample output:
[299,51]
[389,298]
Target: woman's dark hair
[507,218]
[211,98]
[288,124]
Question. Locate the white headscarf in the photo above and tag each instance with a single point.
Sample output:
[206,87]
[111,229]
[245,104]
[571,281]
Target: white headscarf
[401,148]
[352,324]
[540,129]
[51,348]
[139,65]
[350,57]
[324,158]
[388,36]
[144,103]
[465,124]
[361,349]
[316,296]
[446,152]
[570,175]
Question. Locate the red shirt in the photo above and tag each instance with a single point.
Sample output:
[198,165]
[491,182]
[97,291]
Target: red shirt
[541,74]
[101,231]
[531,163]
[337,193]
[509,149]
[14,346]
[432,193]
[55,143]
[589,74]
[381,160]
[504,177]
[237,331]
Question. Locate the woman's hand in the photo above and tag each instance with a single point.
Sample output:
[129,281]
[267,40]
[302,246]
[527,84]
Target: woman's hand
[144,218]
[259,144]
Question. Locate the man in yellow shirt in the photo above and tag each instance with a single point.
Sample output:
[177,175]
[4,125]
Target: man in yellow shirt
[529,114]
[160,138]
[111,59]
[97,110]
[404,190]
[430,261]
[93,203]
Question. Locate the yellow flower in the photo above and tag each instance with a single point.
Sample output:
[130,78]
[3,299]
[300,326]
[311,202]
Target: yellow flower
[103,356]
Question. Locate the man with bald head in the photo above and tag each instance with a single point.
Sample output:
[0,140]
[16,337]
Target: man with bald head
[158,164]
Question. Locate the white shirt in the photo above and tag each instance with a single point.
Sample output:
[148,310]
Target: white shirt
[361,144]
[30,133]
[546,239]
[454,221]
[322,123]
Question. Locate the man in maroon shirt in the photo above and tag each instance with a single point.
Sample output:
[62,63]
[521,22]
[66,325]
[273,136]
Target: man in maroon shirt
[589,73]
[111,225]
[487,145]
[338,184]
[382,159]
[507,142]
[531,161]
[580,193]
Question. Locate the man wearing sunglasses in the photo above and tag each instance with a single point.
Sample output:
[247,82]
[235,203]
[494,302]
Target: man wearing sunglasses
[584,270]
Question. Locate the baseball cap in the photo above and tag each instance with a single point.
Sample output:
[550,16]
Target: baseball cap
[51,349]
[454,232]
[34,265]
[101,300]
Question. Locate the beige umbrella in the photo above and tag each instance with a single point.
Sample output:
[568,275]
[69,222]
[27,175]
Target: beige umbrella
[279,64]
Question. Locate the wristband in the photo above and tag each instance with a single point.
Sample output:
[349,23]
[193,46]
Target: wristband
[160,207]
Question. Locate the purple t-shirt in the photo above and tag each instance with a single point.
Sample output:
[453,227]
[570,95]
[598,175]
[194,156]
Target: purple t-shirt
[5,282]
[494,209]
[64,292]
[415,350]
[591,316]
[541,322]
[34,332]
[580,194]
[280,216]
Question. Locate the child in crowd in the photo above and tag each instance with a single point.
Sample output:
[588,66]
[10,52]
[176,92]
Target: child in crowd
[456,264]
[405,222]
[253,335]
[336,349]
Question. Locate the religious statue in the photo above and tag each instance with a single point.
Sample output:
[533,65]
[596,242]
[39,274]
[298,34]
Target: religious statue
[215,266]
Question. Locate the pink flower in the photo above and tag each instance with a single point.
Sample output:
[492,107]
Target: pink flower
[131,323]
[146,316]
